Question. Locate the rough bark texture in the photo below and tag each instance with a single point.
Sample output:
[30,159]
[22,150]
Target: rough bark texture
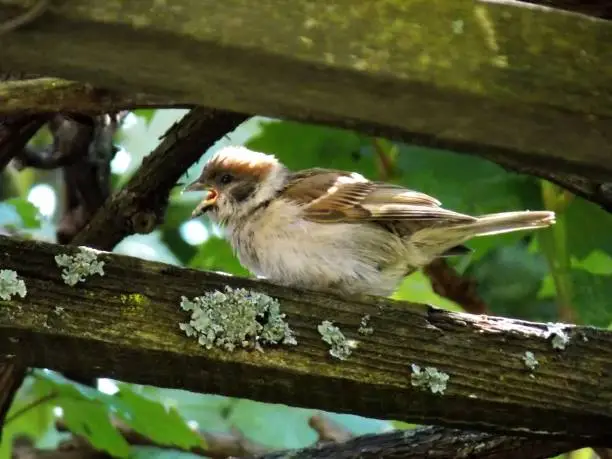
[125,325]
[427,442]
[497,79]
[433,442]
[40,95]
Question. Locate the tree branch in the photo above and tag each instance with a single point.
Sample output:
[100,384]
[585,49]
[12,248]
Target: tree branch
[337,443]
[433,442]
[140,206]
[125,325]
[458,81]
[39,95]
[12,373]
[447,283]
[15,132]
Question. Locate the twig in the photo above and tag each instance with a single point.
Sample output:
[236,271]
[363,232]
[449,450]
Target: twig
[141,204]
[447,283]
[15,132]
[385,163]
[328,430]
[26,18]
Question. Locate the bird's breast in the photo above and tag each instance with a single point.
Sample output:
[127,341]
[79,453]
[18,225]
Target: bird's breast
[281,246]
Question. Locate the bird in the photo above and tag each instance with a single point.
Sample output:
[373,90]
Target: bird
[333,230]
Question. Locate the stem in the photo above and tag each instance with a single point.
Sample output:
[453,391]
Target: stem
[35,403]
[386,152]
[554,246]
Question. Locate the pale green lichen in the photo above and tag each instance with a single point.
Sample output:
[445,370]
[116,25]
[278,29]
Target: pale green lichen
[78,267]
[559,338]
[530,360]
[340,347]
[429,377]
[364,328]
[11,285]
[236,318]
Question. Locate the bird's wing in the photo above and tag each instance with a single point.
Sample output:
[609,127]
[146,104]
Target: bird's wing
[331,196]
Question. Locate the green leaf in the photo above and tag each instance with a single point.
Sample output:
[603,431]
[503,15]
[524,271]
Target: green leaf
[90,420]
[301,146]
[146,114]
[155,421]
[470,185]
[88,411]
[465,183]
[588,228]
[509,279]
[417,289]
[30,216]
[27,416]
[591,295]
[216,255]
[20,213]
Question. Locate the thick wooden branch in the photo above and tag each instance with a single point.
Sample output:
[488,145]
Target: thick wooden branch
[437,442]
[140,206]
[39,95]
[56,95]
[125,325]
[499,79]
[413,444]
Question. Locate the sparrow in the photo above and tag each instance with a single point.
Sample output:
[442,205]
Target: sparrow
[334,230]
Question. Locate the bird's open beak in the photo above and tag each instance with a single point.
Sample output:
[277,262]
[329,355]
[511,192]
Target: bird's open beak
[207,202]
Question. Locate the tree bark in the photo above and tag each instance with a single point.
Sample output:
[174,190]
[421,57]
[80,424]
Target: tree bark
[125,325]
[497,79]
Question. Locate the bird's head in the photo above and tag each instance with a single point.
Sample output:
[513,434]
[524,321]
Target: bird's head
[236,180]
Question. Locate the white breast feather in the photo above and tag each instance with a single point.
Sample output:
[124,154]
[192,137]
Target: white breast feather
[343,257]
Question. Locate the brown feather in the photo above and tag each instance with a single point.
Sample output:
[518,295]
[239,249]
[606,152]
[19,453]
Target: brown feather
[338,196]
[238,161]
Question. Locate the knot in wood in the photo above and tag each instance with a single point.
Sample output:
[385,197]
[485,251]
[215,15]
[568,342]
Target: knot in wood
[143,222]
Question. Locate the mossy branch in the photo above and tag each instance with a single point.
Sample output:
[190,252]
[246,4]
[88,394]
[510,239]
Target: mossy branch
[125,324]
[499,79]
[44,95]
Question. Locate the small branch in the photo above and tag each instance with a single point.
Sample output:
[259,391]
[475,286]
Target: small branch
[328,430]
[141,204]
[447,283]
[12,374]
[25,18]
[385,163]
[15,132]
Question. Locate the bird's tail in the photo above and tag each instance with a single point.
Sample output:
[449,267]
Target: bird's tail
[504,222]
[437,240]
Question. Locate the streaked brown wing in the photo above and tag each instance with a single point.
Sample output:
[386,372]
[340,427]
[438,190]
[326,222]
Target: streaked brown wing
[338,196]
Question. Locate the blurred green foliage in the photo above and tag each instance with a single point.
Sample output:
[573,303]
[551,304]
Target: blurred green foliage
[548,275]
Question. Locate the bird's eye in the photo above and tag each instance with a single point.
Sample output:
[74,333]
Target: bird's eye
[226,178]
